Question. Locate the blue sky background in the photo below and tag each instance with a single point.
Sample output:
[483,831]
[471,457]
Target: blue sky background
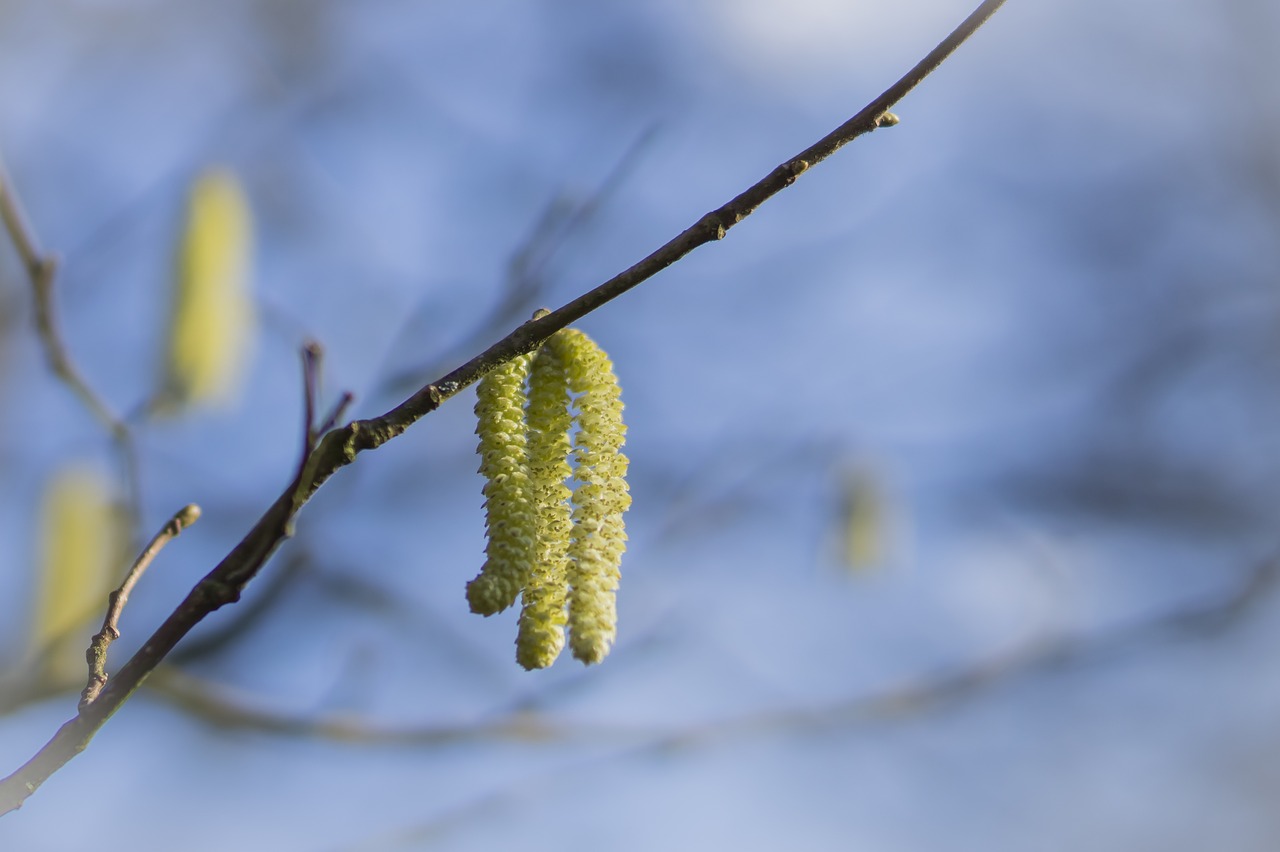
[1040,316]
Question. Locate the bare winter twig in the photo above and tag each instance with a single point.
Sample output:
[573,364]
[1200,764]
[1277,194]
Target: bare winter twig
[339,447]
[312,356]
[42,270]
[97,653]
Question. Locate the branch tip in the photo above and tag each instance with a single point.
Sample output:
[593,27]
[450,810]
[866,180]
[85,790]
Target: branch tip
[96,654]
[339,408]
[185,517]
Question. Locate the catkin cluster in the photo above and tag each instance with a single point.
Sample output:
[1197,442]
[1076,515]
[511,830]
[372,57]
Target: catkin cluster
[556,547]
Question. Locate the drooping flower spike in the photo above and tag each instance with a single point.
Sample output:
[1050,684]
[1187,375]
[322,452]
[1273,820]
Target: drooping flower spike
[542,620]
[560,549]
[509,513]
[600,497]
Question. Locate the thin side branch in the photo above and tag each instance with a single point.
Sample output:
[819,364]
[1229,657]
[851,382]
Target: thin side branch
[528,266]
[42,270]
[339,447]
[96,656]
[312,356]
[39,267]
[1037,654]
[339,409]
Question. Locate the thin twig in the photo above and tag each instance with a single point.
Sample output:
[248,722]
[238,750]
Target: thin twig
[526,276]
[96,656]
[339,409]
[312,356]
[218,707]
[42,270]
[339,447]
[1038,653]
[38,266]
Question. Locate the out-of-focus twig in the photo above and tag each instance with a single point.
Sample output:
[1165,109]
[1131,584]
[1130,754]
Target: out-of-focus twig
[42,270]
[336,413]
[893,703]
[1040,652]
[97,653]
[220,707]
[312,355]
[312,359]
[527,268]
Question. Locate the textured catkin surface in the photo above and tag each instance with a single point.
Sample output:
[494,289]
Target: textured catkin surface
[600,498]
[509,517]
[559,549]
[542,620]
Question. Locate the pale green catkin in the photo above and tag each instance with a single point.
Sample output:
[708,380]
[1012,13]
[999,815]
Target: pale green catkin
[542,619]
[561,549]
[600,498]
[211,325]
[509,511]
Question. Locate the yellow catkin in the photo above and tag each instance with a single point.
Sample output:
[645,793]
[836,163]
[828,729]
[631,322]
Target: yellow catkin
[560,548]
[600,497]
[542,619]
[79,550]
[211,323]
[509,515]
[863,522]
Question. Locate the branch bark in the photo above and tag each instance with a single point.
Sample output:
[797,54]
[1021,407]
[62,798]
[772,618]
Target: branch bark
[339,447]
[110,632]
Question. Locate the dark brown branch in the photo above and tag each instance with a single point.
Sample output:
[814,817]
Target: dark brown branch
[110,632]
[312,355]
[339,409]
[340,447]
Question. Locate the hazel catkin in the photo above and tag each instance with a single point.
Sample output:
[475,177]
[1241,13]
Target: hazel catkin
[509,518]
[542,619]
[560,549]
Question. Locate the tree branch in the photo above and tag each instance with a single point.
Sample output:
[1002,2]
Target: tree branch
[42,270]
[110,632]
[340,447]
[312,355]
